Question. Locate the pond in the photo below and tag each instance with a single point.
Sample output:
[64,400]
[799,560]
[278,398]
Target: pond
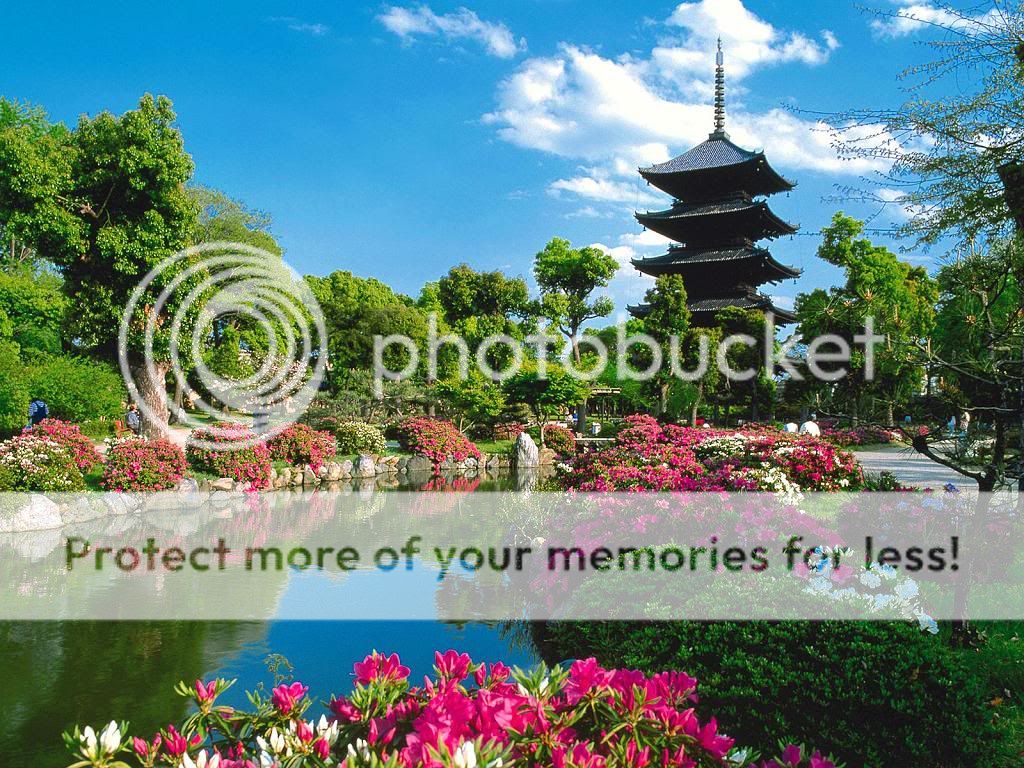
[58,674]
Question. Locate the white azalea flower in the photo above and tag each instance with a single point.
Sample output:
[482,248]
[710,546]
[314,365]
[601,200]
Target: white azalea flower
[465,755]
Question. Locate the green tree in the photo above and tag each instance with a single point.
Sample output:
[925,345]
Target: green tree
[549,396]
[567,277]
[470,402]
[898,297]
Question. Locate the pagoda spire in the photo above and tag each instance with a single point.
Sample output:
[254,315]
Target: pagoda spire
[719,93]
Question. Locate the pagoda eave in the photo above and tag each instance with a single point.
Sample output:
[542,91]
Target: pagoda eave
[751,222]
[754,175]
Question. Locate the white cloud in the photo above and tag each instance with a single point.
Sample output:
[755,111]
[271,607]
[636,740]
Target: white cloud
[305,27]
[628,286]
[635,110]
[598,187]
[645,239]
[409,23]
[914,16]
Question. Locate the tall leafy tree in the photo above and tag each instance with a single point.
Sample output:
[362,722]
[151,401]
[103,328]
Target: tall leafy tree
[567,278]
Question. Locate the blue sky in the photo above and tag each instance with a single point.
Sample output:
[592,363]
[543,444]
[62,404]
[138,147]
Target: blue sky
[396,140]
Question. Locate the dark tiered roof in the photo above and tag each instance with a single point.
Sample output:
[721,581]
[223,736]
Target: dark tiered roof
[715,168]
[707,222]
[703,311]
[696,263]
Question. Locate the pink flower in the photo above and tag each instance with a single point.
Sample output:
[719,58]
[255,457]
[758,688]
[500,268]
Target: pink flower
[376,667]
[205,694]
[452,665]
[287,697]
[322,749]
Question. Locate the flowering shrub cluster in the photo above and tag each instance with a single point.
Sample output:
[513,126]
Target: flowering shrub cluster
[249,464]
[437,440]
[359,437]
[33,461]
[867,435]
[468,715]
[299,445]
[69,436]
[508,430]
[560,439]
[137,464]
[648,456]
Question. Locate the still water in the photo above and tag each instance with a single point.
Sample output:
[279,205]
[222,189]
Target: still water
[58,674]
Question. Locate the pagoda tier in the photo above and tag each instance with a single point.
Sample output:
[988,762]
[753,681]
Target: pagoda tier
[711,267]
[722,222]
[716,169]
[704,311]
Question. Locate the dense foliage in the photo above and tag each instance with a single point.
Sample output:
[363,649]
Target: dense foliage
[233,454]
[560,439]
[138,464]
[438,440]
[300,445]
[359,437]
[468,714]
[872,693]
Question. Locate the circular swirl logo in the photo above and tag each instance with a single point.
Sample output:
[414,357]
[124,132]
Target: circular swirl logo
[238,329]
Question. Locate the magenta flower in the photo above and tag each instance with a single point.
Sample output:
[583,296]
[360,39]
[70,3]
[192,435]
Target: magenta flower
[377,666]
[287,697]
[452,665]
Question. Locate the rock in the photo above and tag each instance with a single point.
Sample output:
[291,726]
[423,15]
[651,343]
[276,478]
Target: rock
[222,484]
[470,462]
[309,477]
[402,464]
[346,468]
[525,452]
[810,428]
[38,513]
[286,477]
[364,467]
[296,478]
[547,457]
[333,471]
[792,428]
[493,461]
[420,464]
[322,472]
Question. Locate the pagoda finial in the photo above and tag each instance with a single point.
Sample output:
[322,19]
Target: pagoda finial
[719,93]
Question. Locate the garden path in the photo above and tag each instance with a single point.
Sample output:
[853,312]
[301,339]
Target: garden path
[910,467]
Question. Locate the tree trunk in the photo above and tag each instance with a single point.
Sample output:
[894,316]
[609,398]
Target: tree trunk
[755,411]
[153,391]
[889,415]
[696,404]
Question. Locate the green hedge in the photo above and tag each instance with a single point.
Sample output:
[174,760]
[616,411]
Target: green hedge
[871,693]
[76,388]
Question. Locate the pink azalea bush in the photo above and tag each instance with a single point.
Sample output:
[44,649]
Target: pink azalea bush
[466,715]
[232,456]
[438,440]
[865,435]
[560,439]
[69,436]
[648,456]
[299,445]
[137,464]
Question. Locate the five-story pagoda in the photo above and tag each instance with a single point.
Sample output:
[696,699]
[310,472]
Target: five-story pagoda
[716,220]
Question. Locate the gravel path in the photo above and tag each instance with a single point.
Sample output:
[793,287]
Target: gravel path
[910,467]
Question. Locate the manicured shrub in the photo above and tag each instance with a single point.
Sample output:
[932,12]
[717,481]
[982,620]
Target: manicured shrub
[437,440]
[299,445]
[871,693]
[138,464]
[76,388]
[650,456]
[38,463]
[468,715]
[70,436]
[560,439]
[230,453]
[359,437]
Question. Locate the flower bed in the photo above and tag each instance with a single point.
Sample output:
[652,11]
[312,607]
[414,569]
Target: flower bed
[69,436]
[249,464]
[648,456]
[299,445]
[35,462]
[359,437]
[869,435]
[438,440]
[137,464]
[468,715]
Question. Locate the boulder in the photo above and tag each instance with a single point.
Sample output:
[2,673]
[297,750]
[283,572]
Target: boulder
[419,464]
[470,462]
[493,461]
[364,467]
[309,477]
[346,468]
[333,471]
[547,457]
[322,471]
[525,452]
[285,477]
[222,484]
[38,513]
